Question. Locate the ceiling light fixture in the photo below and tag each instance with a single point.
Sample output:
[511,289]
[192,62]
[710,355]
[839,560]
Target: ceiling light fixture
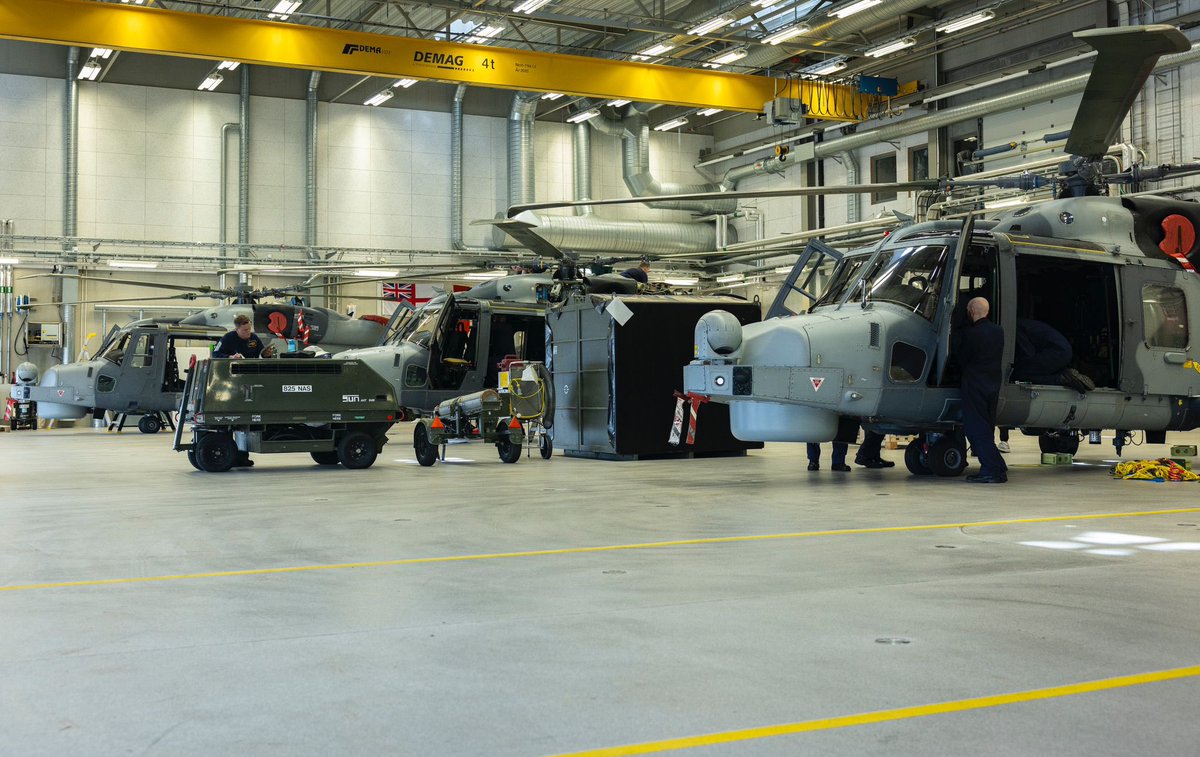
[376,273]
[708,112]
[477,275]
[963,22]
[9,261]
[551,95]
[653,51]
[710,26]
[681,282]
[283,9]
[228,65]
[853,8]
[891,47]
[763,3]
[730,278]
[404,83]
[674,123]
[211,82]
[783,35]
[379,98]
[132,264]
[483,35]
[724,59]
[783,269]
[101,52]
[827,67]
[583,115]
[529,6]
[618,103]
[90,71]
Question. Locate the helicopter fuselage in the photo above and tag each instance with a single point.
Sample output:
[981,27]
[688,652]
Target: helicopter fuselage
[877,346]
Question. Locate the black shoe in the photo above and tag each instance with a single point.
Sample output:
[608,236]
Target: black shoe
[979,478]
[876,463]
[1075,380]
[243,461]
[842,467]
[814,465]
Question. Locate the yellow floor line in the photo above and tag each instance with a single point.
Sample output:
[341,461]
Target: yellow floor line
[583,550]
[881,716]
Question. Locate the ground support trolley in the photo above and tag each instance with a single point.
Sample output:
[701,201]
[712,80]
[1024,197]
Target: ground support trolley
[484,415]
[338,411]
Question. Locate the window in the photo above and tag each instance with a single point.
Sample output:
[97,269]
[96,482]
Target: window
[908,363]
[918,163]
[1164,316]
[883,171]
[143,354]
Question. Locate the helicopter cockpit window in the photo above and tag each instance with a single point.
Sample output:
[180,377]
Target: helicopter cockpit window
[143,352]
[843,276]
[423,325]
[912,278]
[1164,316]
[116,352]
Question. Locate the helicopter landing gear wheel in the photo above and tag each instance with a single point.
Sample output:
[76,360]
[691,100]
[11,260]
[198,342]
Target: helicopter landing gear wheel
[914,458]
[510,451]
[325,457]
[426,451]
[946,457]
[1066,442]
[149,424]
[357,450]
[215,452]
[545,446]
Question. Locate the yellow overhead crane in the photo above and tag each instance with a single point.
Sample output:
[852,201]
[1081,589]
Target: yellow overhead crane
[193,35]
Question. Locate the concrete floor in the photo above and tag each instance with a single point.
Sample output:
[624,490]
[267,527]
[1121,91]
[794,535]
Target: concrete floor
[560,606]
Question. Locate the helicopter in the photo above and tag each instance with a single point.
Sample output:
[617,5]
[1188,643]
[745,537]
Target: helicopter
[1114,275]
[137,369]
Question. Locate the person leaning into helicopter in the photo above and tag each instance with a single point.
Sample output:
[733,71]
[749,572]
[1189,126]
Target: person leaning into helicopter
[640,274]
[242,342]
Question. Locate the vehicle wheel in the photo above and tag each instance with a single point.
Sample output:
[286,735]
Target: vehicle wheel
[946,457]
[357,450]
[546,446]
[191,455]
[325,457]
[149,424]
[510,451]
[427,452]
[914,458]
[215,452]
[1067,442]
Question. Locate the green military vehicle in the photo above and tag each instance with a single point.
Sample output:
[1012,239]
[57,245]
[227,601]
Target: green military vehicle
[338,411]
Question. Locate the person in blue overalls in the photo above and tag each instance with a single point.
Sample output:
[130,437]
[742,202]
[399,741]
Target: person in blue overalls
[242,342]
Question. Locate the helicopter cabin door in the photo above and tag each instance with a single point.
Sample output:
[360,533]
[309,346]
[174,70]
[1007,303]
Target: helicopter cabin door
[452,351]
[141,372]
[1156,332]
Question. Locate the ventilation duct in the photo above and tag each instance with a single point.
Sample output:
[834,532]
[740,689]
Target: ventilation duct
[456,169]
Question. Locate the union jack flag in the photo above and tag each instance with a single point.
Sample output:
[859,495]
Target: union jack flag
[400,292]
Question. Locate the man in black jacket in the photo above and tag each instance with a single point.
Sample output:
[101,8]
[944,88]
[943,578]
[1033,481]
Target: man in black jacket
[242,342]
[980,354]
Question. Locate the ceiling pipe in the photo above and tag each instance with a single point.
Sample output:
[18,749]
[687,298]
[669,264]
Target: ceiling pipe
[310,166]
[582,167]
[456,170]
[244,170]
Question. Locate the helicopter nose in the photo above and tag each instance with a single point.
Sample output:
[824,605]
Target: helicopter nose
[65,380]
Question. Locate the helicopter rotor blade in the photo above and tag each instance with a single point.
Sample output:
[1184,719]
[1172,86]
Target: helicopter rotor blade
[1126,58]
[899,186]
[451,273]
[202,289]
[188,296]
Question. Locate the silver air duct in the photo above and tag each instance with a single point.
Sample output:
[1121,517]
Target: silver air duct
[244,170]
[850,163]
[70,202]
[520,147]
[456,170]
[734,176]
[310,165]
[582,167]
[592,234]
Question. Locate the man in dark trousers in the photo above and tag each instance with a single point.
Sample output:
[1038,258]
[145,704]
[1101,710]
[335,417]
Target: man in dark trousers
[1043,356]
[980,354]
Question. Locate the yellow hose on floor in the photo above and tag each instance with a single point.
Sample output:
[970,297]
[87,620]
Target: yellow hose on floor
[1153,470]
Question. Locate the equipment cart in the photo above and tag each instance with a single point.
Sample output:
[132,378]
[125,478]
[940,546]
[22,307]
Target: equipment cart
[338,411]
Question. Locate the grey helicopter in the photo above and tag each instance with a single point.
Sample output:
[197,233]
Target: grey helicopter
[1114,275]
[139,368]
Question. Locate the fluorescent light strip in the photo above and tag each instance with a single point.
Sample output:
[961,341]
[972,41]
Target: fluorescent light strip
[211,82]
[379,98]
[891,47]
[710,26]
[228,65]
[672,124]
[283,9]
[90,71]
[853,8]
[618,103]
[654,51]
[529,6]
[730,278]
[827,68]
[784,35]
[963,22]
[132,264]
[708,112]
[551,95]
[404,83]
[484,35]
[101,52]
[484,275]
[763,3]
[681,282]
[583,115]
[9,261]
[725,59]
